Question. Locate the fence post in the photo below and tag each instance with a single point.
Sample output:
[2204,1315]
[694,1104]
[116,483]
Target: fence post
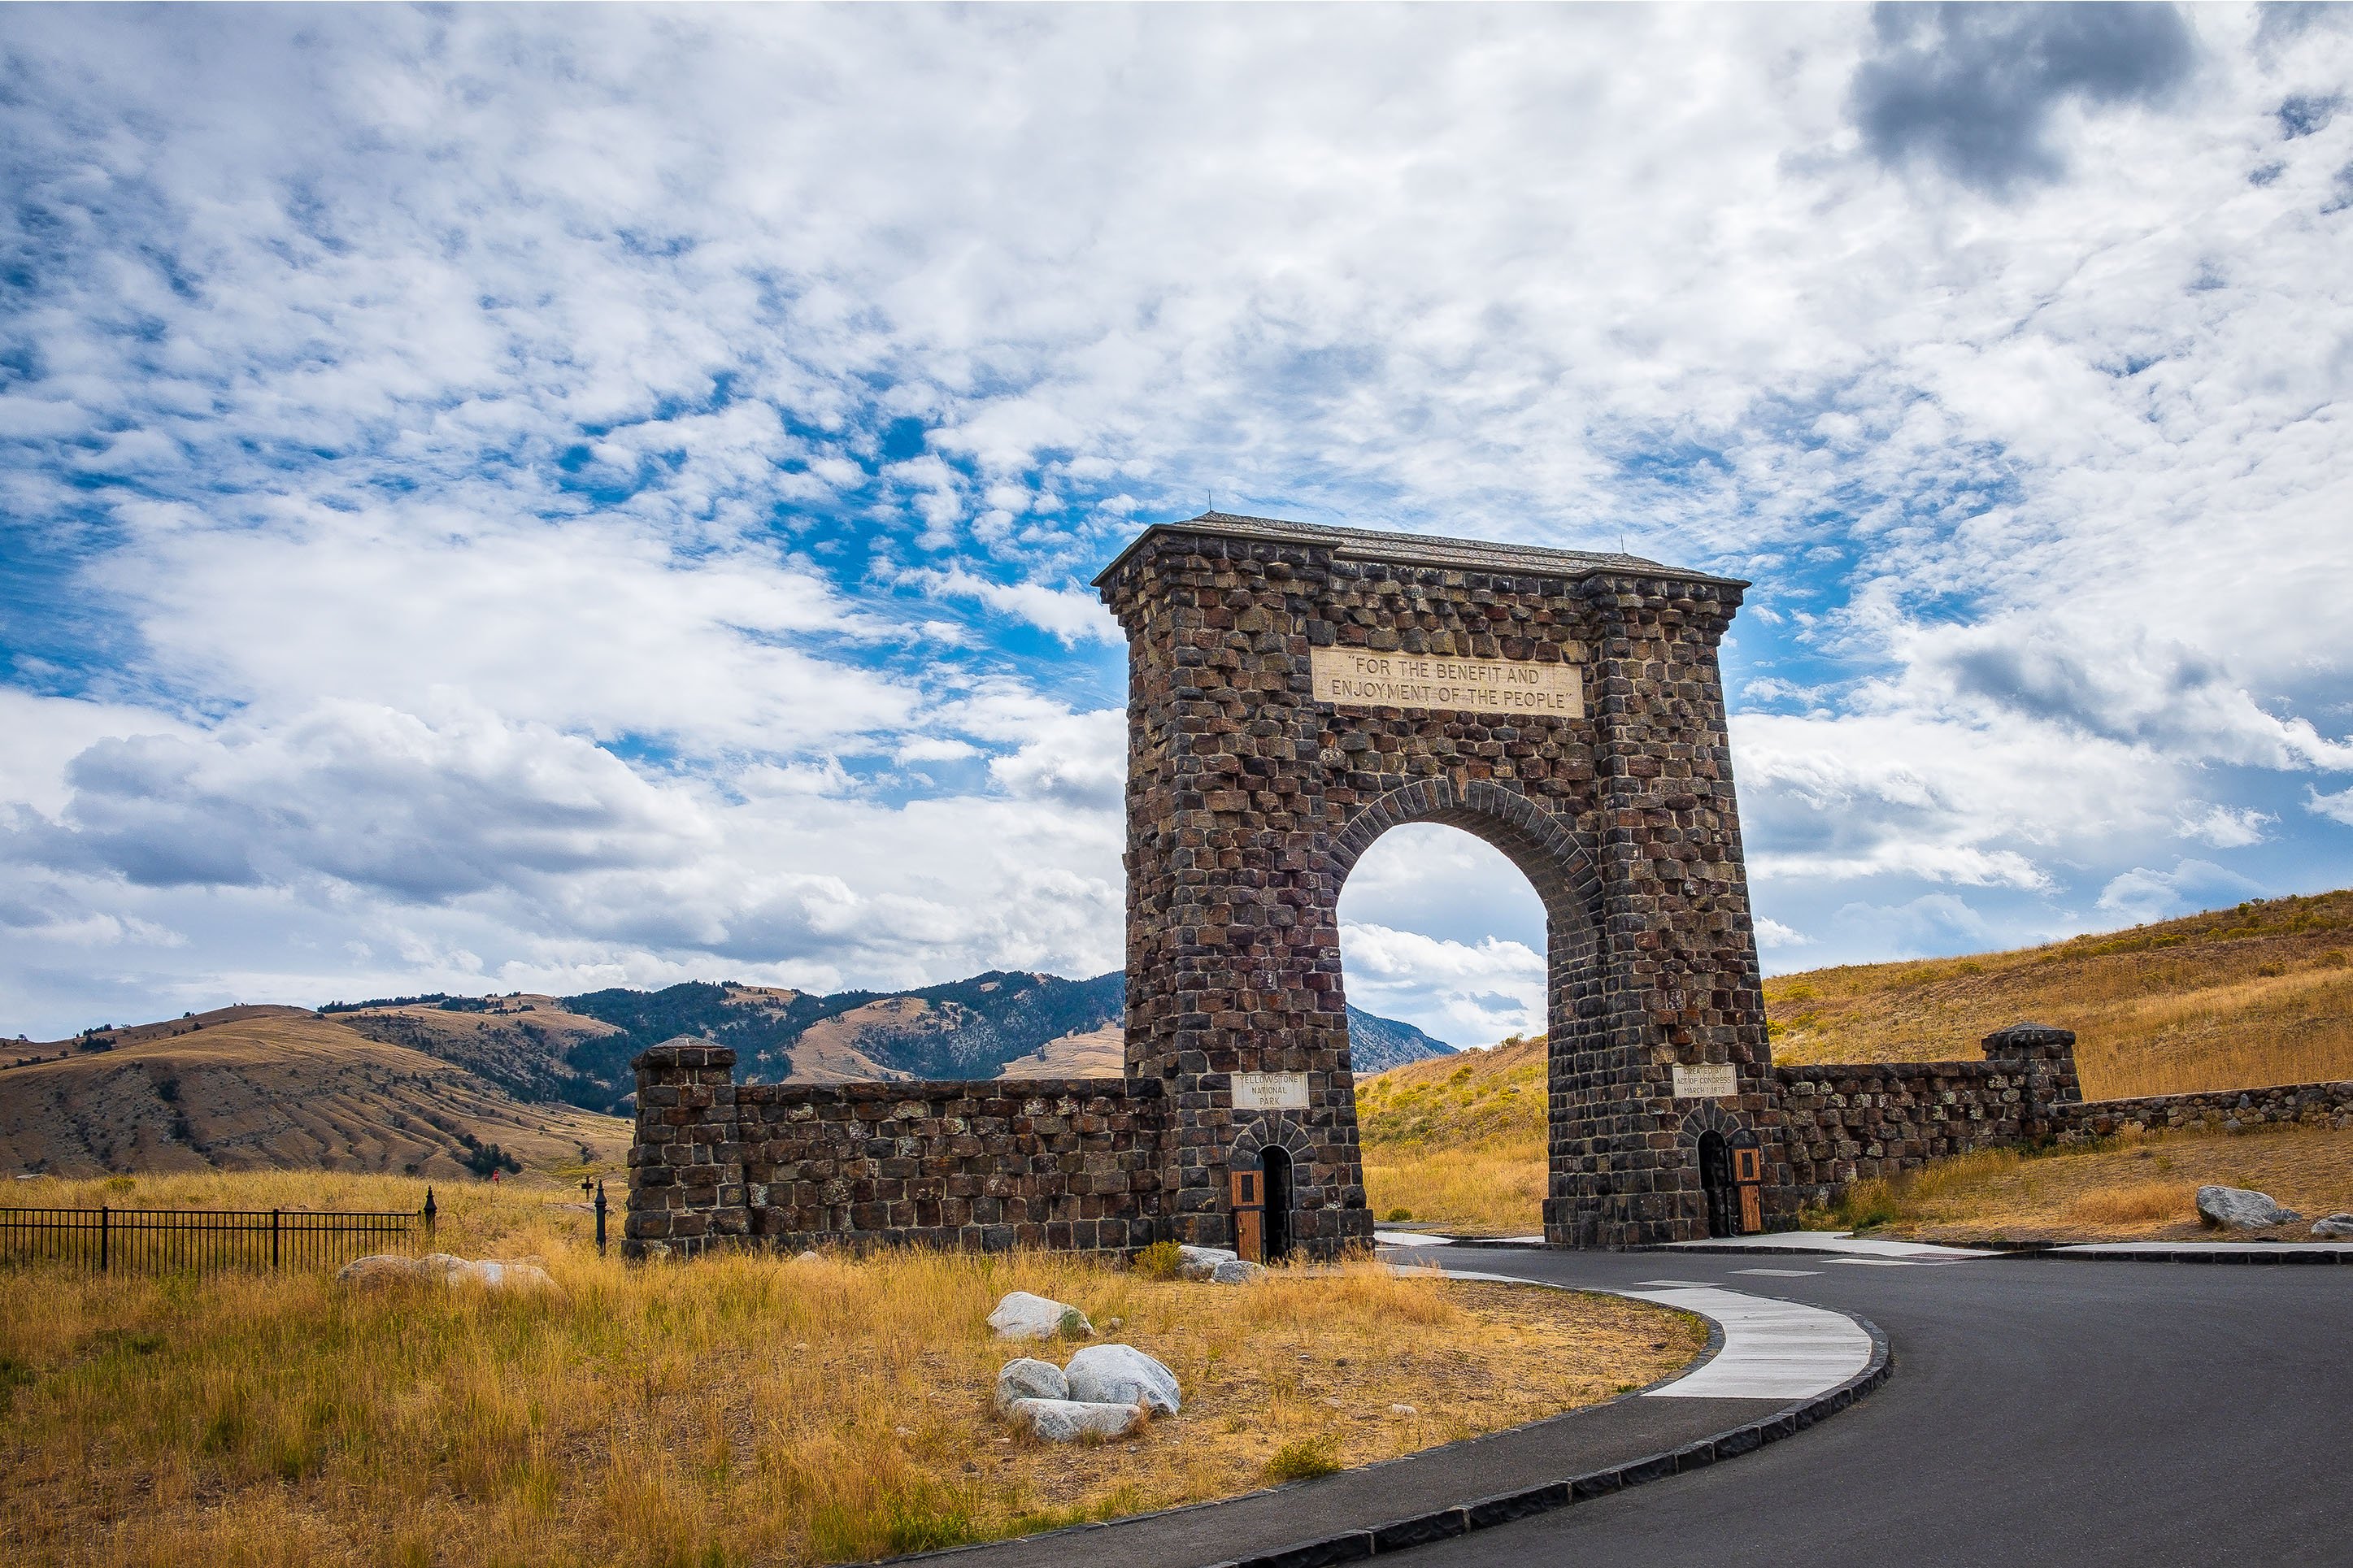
[600,1219]
[429,1211]
[104,1235]
[273,1240]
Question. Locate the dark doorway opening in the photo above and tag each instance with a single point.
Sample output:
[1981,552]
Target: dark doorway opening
[1715,1181]
[1277,1164]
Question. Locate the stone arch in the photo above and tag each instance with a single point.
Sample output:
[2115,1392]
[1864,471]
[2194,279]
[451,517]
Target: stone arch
[1295,691]
[1707,1116]
[1277,1128]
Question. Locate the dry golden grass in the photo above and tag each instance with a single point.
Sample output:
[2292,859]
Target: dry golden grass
[2260,994]
[1458,1143]
[2132,1188]
[745,1409]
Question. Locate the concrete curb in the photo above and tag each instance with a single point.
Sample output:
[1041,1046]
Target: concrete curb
[2257,1256]
[1481,1513]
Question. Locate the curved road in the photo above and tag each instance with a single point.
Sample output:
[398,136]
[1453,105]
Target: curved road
[2040,1410]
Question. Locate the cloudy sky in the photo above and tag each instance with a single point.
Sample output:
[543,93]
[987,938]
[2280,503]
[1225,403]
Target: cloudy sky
[550,499]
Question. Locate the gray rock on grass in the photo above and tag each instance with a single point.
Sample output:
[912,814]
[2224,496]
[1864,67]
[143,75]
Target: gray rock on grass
[1201,1262]
[2236,1208]
[1121,1374]
[390,1268]
[1022,1316]
[2336,1228]
[1069,1420]
[1237,1271]
[1028,1378]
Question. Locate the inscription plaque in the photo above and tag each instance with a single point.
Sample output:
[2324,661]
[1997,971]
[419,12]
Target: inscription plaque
[1708,1081]
[1269,1092]
[1366,679]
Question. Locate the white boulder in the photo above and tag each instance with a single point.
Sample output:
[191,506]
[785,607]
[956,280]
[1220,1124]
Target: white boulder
[1237,1271]
[1022,1316]
[2335,1228]
[1201,1262]
[1069,1420]
[389,1268]
[1121,1374]
[1028,1378]
[2236,1208]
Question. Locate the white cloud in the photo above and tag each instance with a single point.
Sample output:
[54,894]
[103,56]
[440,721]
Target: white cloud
[2337,808]
[2142,895]
[1773,933]
[2225,828]
[520,474]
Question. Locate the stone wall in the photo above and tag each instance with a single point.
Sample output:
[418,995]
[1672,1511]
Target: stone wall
[1846,1122]
[1069,1164]
[2215,1110]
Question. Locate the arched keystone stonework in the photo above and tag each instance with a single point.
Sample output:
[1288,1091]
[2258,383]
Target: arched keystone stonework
[1294,692]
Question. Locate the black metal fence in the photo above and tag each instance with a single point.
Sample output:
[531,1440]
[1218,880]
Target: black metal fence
[165,1241]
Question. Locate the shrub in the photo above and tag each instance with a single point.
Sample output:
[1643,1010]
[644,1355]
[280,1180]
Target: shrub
[1160,1260]
[1395,1215]
[484,1157]
[1305,1458]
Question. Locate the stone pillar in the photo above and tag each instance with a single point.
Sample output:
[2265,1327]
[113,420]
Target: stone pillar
[1679,1047]
[2042,1061]
[686,1162]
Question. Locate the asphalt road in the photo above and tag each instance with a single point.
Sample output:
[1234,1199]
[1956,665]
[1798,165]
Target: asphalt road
[2042,1410]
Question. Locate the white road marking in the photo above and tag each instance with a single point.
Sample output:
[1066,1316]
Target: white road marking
[1831,1241]
[1772,1350]
[1672,1284]
[1781,1273]
[1411,1238]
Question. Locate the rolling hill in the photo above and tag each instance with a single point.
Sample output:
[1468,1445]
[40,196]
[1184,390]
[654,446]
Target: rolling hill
[2259,993]
[422,1084]
[275,1087]
[1002,1024]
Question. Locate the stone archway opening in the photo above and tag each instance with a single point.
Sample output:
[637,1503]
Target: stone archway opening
[1440,930]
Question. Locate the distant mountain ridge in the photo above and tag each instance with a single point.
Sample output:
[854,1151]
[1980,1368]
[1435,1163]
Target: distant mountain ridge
[577,1049]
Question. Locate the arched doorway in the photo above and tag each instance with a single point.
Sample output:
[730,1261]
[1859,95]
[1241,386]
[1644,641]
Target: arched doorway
[1715,1185]
[1276,1160]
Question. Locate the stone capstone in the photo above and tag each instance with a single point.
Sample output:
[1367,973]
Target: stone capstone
[1028,1378]
[2236,1208]
[1121,1374]
[2336,1228]
[1069,1420]
[1022,1316]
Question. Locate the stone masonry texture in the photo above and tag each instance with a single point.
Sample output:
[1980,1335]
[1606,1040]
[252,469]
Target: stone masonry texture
[1248,803]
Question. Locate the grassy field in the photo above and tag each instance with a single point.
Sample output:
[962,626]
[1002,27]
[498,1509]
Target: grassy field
[2262,993]
[1459,1141]
[737,1410]
[2141,1188]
